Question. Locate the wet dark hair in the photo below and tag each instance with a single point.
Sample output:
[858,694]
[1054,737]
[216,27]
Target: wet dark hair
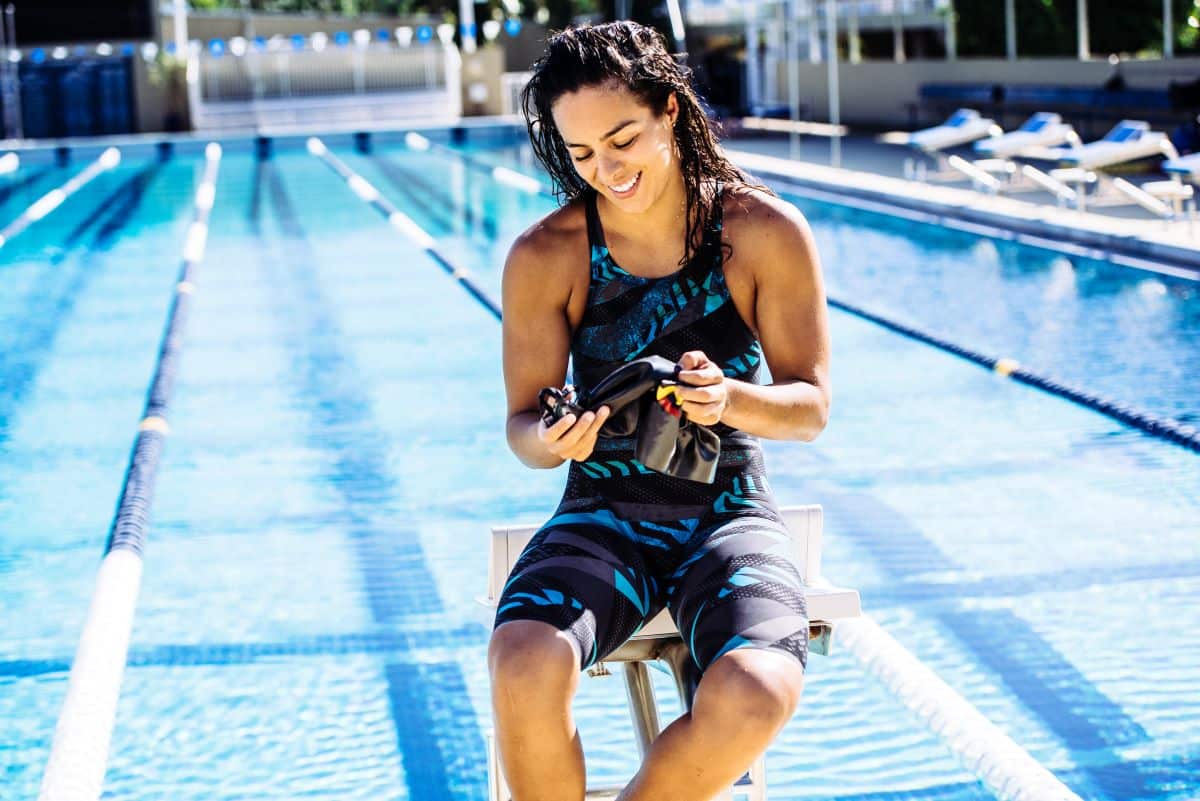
[634,57]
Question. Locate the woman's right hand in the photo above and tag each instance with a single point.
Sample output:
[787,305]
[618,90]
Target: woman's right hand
[573,437]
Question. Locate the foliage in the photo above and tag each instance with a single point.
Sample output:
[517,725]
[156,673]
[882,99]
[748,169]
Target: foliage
[1048,27]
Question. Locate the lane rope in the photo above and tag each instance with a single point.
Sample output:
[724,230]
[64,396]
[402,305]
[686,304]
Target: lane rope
[79,751]
[509,177]
[1008,770]
[402,223]
[50,201]
[1166,428]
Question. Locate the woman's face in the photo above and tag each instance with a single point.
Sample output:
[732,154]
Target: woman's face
[619,146]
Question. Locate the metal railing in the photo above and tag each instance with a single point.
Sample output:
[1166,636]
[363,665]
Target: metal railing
[309,73]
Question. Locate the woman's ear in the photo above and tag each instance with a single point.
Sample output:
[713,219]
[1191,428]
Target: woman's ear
[672,110]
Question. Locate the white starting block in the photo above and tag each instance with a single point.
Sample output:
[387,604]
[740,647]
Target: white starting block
[660,640]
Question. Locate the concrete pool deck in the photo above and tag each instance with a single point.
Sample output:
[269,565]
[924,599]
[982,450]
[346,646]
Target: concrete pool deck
[871,175]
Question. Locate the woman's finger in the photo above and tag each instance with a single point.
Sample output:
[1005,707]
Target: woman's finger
[578,431]
[706,394]
[702,376]
[562,425]
[694,359]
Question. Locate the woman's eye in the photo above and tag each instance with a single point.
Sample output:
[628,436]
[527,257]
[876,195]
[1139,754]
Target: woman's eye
[625,144]
[582,158]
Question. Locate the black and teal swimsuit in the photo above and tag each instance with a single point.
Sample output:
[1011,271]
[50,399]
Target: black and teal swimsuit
[626,541]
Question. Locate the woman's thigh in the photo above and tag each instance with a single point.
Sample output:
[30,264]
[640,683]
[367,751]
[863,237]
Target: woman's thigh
[581,575]
[740,588]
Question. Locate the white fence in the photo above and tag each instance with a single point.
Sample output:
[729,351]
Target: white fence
[293,87]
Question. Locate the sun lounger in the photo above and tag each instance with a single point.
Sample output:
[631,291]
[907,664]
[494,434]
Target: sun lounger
[997,171]
[961,128]
[1043,129]
[660,640]
[1186,168]
[1128,141]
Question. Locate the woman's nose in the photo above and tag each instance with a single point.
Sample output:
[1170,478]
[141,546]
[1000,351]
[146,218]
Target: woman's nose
[609,167]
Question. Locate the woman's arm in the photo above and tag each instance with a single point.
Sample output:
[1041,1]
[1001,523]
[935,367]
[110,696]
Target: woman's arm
[776,246]
[536,291]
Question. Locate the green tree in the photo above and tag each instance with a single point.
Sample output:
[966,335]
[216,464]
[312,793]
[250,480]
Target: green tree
[1047,27]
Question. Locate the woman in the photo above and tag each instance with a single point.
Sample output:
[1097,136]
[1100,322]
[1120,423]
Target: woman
[663,247]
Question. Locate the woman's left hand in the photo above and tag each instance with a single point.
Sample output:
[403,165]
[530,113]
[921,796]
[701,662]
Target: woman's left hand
[702,388]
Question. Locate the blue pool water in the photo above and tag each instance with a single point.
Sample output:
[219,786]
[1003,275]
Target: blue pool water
[307,626]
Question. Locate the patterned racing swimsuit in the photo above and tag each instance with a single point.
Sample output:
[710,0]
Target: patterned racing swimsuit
[626,541]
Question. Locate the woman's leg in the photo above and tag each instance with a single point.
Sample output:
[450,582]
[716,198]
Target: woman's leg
[535,672]
[577,592]
[742,702]
[738,600]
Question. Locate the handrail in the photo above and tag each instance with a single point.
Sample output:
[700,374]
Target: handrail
[974,173]
[79,752]
[402,222]
[1143,198]
[1062,192]
[55,197]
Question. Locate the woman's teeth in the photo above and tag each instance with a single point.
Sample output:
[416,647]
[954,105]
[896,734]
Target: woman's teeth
[625,187]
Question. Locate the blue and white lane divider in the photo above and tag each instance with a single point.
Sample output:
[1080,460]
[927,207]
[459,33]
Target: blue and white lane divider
[402,222]
[54,198]
[1162,427]
[9,163]
[1008,770]
[79,752]
[525,183]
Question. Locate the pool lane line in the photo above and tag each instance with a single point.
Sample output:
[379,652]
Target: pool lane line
[1165,428]
[437,733]
[402,222]
[525,183]
[50,302]
[50,201]
[1004,766]
[79,752]
[407,182]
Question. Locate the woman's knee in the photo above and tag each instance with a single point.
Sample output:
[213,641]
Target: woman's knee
[753,685]
[529,654]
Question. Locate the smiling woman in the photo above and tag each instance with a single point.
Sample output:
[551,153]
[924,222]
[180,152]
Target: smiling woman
[661,248]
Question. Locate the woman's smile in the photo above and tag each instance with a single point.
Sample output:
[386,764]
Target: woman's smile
[626,189]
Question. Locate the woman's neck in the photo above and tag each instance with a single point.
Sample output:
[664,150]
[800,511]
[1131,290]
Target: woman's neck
[664,221]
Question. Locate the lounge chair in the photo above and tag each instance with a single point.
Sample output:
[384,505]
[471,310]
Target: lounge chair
[1128,141]
[961,128]
[996,171]
[1042,130]
[660,640]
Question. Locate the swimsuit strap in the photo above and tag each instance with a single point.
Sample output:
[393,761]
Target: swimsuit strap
[598,245]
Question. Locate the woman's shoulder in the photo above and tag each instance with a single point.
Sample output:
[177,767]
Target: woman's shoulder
[763,224]
[755,211]
[557,240]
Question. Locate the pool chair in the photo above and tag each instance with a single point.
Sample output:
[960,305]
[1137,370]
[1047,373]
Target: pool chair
[1127,142]
[961,128]
[995,169]
[659,641]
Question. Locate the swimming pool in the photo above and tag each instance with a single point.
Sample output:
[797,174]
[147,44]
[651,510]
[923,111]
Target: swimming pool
[307,625]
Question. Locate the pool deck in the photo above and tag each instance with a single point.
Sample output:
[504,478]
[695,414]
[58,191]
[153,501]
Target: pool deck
[871,175]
